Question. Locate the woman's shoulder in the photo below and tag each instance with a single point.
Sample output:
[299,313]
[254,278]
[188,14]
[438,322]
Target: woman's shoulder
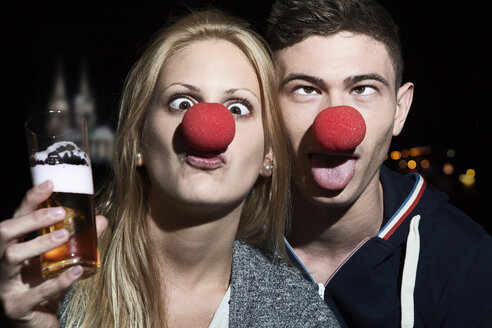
[255,263]
[62,315]
[269,292]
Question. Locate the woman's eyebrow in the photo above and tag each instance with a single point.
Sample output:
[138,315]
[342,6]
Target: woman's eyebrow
[234,90]
[186,85]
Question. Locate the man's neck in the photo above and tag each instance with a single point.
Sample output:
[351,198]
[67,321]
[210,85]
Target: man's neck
[323,236]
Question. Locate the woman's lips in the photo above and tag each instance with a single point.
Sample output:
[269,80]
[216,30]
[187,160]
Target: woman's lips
[205,160]
[332,172]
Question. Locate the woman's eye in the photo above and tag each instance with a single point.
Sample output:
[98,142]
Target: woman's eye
[364,90]
[238,109]
[181,103]
[305,91]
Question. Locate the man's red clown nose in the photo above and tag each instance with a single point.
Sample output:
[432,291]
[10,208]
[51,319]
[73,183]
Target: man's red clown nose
[208,127]
[339,128]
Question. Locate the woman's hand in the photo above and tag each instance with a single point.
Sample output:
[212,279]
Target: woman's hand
[27,299]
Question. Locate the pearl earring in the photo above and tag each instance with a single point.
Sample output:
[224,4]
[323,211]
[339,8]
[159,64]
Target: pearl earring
[139,160]
[268,168]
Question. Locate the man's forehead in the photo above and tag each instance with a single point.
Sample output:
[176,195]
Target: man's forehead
[344,53]
[334,41]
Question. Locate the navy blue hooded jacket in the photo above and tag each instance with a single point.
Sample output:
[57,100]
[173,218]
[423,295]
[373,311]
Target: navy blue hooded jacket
[429,266]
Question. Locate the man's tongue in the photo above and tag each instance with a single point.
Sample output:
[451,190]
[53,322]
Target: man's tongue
[332,172]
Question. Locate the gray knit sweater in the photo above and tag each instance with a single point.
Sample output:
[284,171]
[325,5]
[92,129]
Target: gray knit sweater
[266,294]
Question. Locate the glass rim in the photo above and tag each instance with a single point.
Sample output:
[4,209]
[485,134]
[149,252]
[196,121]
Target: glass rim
[45,113]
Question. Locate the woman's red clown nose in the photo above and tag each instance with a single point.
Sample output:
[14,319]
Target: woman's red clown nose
[339,128]
[208,127]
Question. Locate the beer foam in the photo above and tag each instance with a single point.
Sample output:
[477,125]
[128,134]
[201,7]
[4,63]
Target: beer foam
[65,177]
[61,152]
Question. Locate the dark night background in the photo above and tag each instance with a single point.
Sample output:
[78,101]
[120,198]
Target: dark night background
[447,49]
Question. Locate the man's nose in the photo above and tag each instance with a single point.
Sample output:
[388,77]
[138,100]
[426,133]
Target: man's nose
[335,98]
[339,128]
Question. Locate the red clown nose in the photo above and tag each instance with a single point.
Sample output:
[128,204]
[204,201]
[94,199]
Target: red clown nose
[339,128]
[208,127]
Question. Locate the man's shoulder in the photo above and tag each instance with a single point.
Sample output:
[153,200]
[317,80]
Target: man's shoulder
[442,220]
[439,218]
[451,234]
[455,266]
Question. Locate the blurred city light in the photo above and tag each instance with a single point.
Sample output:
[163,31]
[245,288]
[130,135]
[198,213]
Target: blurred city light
[467,180]
[412,164]
[425,150]
[448,168]
[414,152]
[395,155]
[420,162]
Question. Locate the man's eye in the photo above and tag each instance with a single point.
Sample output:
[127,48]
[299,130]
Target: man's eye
[305,91]
[238,109]
[181,103]
[364,90]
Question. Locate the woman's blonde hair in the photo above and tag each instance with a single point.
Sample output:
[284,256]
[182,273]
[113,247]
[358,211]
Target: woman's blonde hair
[126,292]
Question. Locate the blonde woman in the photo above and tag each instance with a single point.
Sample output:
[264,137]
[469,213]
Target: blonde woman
[193,236]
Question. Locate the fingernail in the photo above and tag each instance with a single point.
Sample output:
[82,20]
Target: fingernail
[56,212]
[60,234]
[44,185]
[75,271]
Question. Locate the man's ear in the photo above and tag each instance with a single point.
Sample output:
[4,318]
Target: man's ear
[403,102]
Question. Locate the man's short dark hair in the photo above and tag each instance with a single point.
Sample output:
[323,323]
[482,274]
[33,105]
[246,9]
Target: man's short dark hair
[292,21]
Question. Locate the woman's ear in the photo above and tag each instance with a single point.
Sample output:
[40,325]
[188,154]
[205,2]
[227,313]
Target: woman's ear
[266,169]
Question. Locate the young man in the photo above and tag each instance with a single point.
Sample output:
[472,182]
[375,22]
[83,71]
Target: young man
[388,249]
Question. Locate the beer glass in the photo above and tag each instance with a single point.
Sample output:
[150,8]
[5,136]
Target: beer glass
[58,148]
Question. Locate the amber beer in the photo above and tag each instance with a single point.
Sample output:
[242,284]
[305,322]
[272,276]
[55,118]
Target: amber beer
[68,167]
[58,151]
[81,248]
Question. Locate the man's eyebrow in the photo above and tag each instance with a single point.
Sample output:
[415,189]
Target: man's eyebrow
[363,77]
[304,77]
